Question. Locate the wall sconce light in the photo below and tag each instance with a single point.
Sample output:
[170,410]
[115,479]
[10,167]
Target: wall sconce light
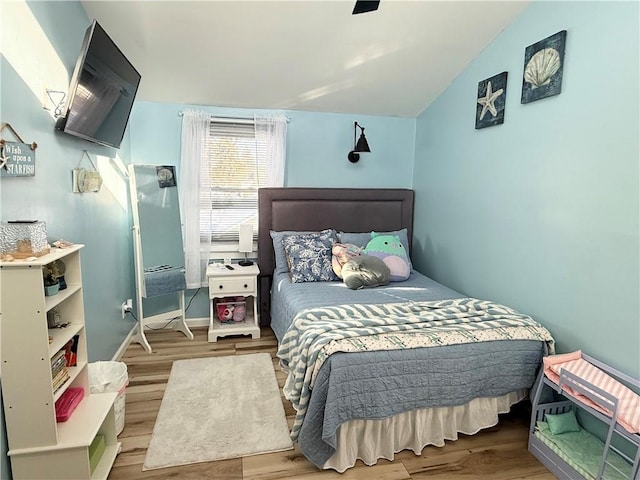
[360,147]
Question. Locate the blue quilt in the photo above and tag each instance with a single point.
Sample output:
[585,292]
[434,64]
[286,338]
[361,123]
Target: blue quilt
[375,385]
[288,299]
[379,384]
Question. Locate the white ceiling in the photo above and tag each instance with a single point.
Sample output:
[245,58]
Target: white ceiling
[302,55]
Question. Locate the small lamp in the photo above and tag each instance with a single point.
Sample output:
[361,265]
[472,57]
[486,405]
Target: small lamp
[245,244]
[360,147]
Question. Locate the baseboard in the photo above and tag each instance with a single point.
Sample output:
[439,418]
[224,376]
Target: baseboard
[191,322]
[125,343]
[198,322]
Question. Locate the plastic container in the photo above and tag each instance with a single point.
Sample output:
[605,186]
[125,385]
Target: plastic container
[105,377]
[68,402]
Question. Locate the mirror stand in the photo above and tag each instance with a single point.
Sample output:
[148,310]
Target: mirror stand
[158,248]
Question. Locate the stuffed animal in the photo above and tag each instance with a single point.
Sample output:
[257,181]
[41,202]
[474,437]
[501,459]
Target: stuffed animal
[225,312]
[365,271]
[240,310]
[390,250]
[341,253]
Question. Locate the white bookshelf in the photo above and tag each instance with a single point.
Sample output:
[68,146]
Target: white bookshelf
[39,447]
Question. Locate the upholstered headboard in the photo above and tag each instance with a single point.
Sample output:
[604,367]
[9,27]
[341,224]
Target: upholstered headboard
[314,209]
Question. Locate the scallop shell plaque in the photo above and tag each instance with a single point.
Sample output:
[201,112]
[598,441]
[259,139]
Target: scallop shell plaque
[542,66]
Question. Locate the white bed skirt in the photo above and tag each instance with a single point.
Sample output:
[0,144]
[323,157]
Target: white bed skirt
[370,440]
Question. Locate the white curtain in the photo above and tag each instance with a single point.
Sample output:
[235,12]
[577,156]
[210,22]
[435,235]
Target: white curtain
[195,131]
[272,132]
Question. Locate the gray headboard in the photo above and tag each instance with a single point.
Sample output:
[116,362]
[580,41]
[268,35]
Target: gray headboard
[343,209]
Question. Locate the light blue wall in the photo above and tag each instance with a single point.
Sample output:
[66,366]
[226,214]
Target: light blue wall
[317,147]
[97,220]
[541,213]
[317,144]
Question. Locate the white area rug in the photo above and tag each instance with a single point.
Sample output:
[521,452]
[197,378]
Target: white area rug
[218,408]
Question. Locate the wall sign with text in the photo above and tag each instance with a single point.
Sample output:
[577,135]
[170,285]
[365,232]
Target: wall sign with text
[17,160]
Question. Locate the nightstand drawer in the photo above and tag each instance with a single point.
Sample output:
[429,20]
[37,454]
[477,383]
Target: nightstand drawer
[232,286]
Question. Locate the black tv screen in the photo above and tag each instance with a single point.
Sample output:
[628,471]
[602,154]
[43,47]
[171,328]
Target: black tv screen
[102,90]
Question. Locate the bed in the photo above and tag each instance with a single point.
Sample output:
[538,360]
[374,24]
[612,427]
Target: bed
[373,381]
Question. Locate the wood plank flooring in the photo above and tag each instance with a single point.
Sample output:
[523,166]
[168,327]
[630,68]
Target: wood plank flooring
[498,453]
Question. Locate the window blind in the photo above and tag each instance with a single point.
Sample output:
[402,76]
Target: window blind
[235,167]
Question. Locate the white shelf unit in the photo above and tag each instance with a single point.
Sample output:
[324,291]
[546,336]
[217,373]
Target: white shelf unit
[239,281]
[39,447]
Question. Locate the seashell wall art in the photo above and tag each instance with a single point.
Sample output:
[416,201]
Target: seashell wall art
[543,65]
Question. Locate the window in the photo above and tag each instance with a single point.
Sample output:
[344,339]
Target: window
[235,165]
[223,162]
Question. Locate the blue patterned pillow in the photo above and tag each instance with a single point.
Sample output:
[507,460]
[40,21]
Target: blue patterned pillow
[278,249]
[309,256]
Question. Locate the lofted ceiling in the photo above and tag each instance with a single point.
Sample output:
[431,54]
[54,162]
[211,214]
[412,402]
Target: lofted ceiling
[302,55]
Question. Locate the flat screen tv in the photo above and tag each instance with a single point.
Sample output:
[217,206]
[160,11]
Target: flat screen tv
[103,87]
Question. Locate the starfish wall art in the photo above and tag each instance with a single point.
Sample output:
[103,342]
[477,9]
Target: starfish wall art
[492,94]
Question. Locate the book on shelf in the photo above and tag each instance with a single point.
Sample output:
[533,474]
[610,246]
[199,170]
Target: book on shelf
[58,362]
[60,385]
[59,355]
[56,373]
[57,367]
[60,376]
[71,351]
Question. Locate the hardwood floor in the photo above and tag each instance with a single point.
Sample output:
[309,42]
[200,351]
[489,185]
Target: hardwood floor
[498,453]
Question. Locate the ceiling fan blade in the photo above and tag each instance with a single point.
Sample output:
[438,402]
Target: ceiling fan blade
[363,6]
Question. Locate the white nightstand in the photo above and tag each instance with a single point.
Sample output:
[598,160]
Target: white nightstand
[241,281]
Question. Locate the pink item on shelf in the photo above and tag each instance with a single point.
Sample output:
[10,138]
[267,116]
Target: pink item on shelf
[239,313]
[68,402]
[225,311]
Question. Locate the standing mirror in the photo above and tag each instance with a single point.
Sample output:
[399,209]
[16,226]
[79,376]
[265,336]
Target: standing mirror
[158,248]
